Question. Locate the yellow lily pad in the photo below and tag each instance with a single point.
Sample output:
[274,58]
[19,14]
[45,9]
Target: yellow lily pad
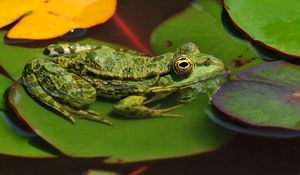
[44,19]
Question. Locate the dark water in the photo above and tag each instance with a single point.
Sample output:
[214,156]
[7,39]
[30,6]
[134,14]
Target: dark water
[246,155]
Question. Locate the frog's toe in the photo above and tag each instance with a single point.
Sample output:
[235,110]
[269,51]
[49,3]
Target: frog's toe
[168,115]
[161,112]
[171,108]
[69,116]
[90,115]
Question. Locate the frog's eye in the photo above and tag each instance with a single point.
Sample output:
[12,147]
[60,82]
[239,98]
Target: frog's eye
[183,65]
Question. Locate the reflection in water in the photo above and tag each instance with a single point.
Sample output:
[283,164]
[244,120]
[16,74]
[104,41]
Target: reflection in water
[75,33]
[13,126]
[274,133]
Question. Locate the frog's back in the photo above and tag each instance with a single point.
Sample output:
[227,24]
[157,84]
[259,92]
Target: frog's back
[123,64]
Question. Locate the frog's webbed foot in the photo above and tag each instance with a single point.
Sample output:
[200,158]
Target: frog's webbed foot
[133,107]
[70,113]
[66,48]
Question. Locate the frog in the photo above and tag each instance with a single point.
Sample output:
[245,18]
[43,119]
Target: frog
[72,76]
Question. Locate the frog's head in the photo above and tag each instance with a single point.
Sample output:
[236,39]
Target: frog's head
[190,66]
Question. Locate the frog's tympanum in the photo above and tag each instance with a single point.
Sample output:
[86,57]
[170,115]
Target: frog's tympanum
[74,75]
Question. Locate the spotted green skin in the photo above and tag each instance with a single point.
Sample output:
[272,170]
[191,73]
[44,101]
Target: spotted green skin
[74,75]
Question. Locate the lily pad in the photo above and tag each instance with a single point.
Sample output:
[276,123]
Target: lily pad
[5,83]
[267,96]
[277,72]
[99,172]
[202,24]
[40,19]
[126,140]
[17,142]
[273,24]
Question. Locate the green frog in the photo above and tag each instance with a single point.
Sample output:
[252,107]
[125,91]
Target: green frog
[74,75]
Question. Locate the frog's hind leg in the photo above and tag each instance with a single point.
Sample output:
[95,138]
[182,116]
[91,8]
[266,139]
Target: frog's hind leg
[38,92]
[64,49]
[133,107]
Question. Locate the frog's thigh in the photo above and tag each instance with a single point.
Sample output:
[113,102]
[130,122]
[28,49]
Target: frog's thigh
[67,48]
[37,91]
[133,107]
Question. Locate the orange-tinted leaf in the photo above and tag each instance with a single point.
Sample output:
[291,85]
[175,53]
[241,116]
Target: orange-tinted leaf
[44,19]
[11,10]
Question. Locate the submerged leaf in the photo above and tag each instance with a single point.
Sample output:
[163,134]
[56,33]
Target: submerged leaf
[44,19]
[273,24]
[17,142]
[267,95]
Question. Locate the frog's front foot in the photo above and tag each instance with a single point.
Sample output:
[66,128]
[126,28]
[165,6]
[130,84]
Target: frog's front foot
[133,107]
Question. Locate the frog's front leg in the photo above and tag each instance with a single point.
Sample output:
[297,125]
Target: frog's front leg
[67,48]
[133,107]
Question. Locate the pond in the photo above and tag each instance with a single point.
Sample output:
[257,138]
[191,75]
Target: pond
[204,141]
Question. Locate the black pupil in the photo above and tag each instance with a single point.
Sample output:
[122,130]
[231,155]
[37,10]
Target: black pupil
[184,64]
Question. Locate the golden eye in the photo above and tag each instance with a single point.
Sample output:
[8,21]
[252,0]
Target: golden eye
[183,65]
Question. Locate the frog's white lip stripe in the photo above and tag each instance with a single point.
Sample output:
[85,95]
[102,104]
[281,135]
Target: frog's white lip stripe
[67,50]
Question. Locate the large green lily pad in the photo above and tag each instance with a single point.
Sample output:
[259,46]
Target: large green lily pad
[202,24]
[126,140]
[16,142]
[266,96]
[273,24]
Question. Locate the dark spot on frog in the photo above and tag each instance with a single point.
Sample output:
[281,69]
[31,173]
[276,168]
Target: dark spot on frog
[169,43]
[46,51]
[46,1]
[239,61]
[127,71]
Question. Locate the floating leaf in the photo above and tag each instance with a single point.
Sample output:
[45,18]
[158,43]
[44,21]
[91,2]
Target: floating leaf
[126,140]
[44,19]
[202,25]
[267,96]
[100,172]
[277,30]
[16,142]
[5,83]
[277,72]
